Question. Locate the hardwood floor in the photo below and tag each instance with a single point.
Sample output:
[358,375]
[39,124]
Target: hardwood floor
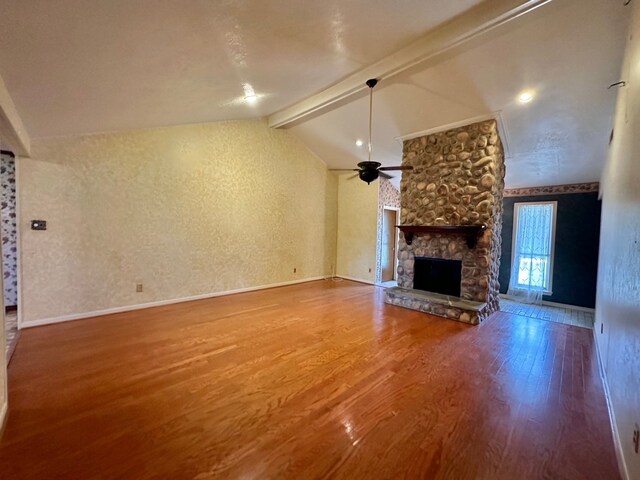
[318,380]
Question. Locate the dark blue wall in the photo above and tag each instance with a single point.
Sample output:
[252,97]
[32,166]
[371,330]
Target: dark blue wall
[575,266]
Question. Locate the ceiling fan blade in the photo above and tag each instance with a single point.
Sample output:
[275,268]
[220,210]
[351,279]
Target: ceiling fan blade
[344,169]
[385,175]
[353,176]
[406,167]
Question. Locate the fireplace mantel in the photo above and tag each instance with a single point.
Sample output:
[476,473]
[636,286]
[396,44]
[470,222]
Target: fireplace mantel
[470,232]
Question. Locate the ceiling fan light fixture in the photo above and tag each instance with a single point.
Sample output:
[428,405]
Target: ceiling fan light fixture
[369,171]
[368,175]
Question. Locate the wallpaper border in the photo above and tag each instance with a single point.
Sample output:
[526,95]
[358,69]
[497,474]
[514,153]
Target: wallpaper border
[553,189]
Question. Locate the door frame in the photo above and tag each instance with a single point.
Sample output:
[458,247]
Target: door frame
[396,239]
[17,166]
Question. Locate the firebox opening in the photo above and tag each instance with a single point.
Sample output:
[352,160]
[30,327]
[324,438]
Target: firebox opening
[437,275]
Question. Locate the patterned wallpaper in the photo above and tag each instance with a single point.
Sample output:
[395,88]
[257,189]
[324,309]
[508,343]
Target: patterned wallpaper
[388,196]
[184,210]
[9,244]
[357,233]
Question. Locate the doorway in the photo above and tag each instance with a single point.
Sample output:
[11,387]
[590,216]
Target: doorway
[389,244]
[9,248]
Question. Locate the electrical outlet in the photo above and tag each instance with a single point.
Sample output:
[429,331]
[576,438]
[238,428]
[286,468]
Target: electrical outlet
[38,224]
[636,437]
[138,287]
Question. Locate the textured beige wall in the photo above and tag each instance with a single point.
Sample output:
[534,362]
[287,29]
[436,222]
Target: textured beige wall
[185,210]
[12,132]
[357,228]
[618,288]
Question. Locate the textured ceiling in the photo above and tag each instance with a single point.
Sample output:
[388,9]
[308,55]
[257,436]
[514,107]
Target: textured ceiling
[74,66]
[78,66]
[567,53]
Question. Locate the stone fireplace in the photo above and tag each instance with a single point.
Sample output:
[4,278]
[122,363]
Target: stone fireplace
[452,205]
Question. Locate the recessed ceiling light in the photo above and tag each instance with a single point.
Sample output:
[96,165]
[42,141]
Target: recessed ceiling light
[249,94]
[525,97]
[359,143]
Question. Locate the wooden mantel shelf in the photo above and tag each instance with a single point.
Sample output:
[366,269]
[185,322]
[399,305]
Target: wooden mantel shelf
[470,232]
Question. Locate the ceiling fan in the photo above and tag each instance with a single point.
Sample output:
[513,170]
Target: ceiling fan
[369,171]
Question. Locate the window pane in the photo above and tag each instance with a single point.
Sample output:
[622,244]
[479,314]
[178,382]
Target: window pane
[533,272]
[532,255]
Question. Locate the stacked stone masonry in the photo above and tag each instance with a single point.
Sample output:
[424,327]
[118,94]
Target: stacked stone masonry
[457,179]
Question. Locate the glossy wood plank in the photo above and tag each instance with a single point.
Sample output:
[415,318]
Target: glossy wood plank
[318,380]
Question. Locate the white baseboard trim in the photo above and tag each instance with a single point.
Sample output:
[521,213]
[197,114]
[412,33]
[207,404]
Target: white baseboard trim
[570,307]
[359,280]
[554,304]
[617,443]
[159,303]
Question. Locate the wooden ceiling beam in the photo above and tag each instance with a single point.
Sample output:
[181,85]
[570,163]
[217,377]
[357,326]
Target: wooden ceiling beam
[463,28]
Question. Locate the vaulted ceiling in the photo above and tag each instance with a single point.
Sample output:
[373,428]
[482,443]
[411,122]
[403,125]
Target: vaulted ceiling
[77,66]
[74,66]
[566,53]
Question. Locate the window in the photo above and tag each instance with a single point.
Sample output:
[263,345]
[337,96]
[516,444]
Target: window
[534,226]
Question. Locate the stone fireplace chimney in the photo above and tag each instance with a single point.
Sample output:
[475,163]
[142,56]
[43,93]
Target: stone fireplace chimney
[457,180]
